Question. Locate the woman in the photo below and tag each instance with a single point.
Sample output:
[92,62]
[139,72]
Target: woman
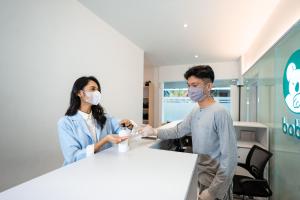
[86,129]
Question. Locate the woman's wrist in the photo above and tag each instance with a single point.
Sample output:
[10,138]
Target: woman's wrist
[101,142]
[105,139]
[97,146]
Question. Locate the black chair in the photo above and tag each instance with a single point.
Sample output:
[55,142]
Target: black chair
[256,161]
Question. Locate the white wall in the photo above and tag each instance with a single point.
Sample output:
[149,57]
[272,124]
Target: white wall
[283,17]
[45,46]
[223,70]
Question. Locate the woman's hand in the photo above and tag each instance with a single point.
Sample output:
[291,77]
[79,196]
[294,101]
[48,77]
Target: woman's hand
[127,123]
[115,139]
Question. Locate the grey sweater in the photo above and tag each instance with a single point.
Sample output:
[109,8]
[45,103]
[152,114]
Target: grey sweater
[214,140]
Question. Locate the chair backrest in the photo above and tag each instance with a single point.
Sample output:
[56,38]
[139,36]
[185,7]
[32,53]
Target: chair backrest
[256,161]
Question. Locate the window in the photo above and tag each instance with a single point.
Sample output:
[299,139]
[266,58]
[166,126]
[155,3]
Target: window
[176,104]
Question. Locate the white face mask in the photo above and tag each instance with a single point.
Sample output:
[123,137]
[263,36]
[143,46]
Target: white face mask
[93,97]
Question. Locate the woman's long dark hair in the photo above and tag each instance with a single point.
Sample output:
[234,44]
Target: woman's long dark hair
[97,110]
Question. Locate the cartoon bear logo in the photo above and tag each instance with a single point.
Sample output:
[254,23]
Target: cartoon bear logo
[291,83]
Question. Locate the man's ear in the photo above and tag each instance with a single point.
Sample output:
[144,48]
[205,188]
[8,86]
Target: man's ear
[290,70]
[210,86]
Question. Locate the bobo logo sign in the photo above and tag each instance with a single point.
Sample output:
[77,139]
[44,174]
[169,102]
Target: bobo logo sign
[291,92]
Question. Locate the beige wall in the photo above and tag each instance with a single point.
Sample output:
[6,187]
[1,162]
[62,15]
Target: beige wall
[148,70]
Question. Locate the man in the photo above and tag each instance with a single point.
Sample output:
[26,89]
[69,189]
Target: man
[213,136]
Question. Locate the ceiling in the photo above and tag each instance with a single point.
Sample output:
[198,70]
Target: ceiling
[218,30]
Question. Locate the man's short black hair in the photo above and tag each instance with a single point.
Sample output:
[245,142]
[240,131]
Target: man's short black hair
[200,71]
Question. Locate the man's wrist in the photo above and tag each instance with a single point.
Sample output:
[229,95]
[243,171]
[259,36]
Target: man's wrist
[155,132]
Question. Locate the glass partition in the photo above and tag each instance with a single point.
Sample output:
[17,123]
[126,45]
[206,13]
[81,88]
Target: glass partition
[271,95]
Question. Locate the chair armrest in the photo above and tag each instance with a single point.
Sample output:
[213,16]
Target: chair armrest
[253,181]
[243,165]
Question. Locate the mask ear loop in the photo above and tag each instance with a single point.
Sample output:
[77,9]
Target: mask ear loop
[85,97]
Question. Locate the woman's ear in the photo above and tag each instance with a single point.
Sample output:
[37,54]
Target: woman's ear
[80,94]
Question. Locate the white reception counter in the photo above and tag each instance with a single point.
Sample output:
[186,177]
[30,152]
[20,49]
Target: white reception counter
[141,173]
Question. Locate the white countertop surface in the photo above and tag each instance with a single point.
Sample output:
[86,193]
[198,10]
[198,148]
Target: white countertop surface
[140,173]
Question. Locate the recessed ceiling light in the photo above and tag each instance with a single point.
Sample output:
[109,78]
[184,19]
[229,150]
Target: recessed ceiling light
[185,25]
[196,56]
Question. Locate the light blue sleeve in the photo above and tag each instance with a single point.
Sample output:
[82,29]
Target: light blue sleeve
[70,146]
[115,124]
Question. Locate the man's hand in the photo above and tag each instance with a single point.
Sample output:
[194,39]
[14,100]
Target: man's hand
[148,131]
[205,195]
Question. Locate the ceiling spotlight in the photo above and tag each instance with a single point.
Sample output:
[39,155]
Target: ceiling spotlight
[185,25]
[196,56]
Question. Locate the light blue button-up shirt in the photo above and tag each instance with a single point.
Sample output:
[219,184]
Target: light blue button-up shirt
[75,137]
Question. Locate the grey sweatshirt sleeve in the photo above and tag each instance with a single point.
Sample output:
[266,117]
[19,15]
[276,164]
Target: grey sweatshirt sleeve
[228,158]
[178,131]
